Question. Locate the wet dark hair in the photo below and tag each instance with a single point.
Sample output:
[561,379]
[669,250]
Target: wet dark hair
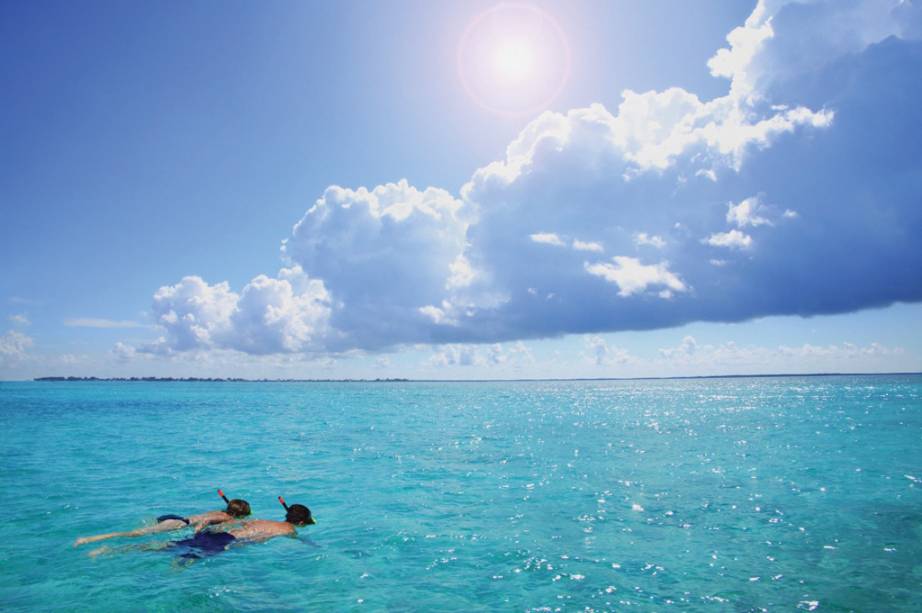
[238,508]
[299,515]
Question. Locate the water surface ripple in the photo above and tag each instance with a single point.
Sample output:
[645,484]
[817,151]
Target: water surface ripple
[718,495]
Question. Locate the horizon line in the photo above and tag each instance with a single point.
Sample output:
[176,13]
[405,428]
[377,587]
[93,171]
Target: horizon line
[92,379]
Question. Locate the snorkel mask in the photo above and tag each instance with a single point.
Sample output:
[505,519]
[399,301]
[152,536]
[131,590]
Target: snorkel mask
[297,514]
[235,507]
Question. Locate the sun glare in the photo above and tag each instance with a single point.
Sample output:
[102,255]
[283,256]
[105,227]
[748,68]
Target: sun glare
[513,59]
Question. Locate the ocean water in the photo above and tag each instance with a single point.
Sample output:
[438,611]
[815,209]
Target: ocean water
[711,495]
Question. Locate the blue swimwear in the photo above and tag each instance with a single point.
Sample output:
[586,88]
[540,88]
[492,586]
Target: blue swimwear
[171,516]
[204,544]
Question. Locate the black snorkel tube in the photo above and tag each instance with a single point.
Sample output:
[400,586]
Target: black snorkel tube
[284,504]
[221,494]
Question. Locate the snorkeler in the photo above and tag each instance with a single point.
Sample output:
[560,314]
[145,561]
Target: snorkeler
[265,529]
[210,542]
[235,510]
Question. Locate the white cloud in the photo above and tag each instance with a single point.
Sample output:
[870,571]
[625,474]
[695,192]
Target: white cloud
[588,246]
[632,277]
[382,255]
[642,238]
[437,315]
[691,356]
[760,53]
[97,322]
[734,239]
[497,354]
[546,238]
[194,314]
[685,349]
[398,265]
[280,315]
[462,275]
[600,353]
[123,352]
[457,355]
[14,346]
[20,319]
[270,315]
[747,213]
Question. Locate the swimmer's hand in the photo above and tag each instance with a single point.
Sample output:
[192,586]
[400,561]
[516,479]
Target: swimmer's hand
[99,537]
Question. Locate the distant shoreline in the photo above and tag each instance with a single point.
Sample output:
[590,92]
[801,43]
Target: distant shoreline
[401,380]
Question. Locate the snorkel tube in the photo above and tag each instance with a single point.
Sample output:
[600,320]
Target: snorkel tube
[282,500]
[221,494]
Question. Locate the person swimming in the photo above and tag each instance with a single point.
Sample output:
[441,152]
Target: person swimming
[236,509]
[212,541]
[296,515]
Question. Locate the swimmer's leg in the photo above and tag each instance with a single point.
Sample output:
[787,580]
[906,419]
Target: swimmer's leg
[167,525]
[106,550]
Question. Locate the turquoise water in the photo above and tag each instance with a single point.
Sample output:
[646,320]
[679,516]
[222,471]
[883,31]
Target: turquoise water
[718,495]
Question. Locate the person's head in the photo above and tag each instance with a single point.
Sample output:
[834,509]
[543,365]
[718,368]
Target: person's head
[299,515]
[238,508]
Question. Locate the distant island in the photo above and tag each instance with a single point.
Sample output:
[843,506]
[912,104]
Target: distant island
[215,380]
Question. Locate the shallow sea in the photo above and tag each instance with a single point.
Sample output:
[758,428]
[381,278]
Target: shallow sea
[717,495]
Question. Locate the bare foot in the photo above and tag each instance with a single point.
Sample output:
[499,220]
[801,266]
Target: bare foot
[99,551]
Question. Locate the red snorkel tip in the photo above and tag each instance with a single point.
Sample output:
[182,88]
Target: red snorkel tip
[221,494]
[282,500]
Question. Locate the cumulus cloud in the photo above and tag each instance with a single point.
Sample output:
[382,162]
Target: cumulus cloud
[270,315]
[733,239]
[383,254]
[818,118]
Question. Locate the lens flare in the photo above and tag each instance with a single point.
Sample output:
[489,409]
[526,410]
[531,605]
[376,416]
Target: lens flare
[513,59]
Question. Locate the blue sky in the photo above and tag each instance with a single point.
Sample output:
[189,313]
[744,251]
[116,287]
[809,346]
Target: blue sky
[669,209]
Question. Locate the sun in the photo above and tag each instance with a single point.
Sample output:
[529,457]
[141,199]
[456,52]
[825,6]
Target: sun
[513,59]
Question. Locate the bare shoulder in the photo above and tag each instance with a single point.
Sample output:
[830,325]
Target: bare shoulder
[275,527]
[259,529]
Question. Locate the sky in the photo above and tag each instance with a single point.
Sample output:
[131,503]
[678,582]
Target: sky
[460,190]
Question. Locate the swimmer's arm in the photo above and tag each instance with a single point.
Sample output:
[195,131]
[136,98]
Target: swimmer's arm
[200,522]
[305,539]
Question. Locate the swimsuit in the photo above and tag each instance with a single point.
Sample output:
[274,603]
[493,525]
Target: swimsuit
[204,544]
[171,516]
